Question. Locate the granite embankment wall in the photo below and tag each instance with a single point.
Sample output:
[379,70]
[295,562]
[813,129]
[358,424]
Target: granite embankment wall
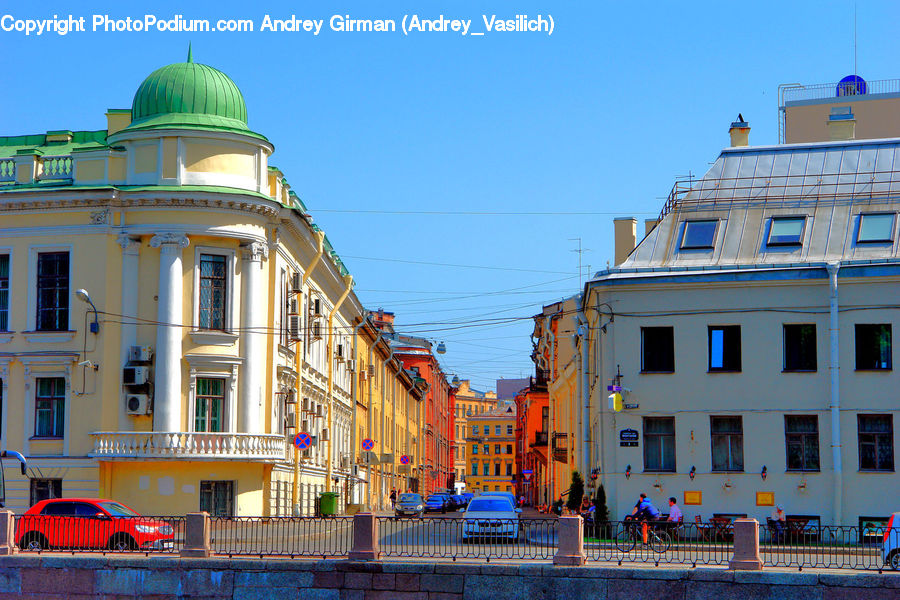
[126,578]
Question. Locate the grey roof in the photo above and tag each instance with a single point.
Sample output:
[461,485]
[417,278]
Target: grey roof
[829,183]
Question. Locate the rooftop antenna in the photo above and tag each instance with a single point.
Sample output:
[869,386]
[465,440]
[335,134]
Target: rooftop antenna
[855,71]
[580,252]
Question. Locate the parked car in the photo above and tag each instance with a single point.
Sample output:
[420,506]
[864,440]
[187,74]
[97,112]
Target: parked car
[90,523]
[510,495]
[891,548]
[437,503]
[410,504]
[459,501]
[490,517]
[468,496]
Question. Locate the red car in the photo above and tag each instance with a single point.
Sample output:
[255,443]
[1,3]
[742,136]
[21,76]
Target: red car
[90,523]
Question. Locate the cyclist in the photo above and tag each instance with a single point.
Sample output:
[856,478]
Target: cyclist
[643,510]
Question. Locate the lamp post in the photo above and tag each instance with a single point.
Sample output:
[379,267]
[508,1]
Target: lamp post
[85,297]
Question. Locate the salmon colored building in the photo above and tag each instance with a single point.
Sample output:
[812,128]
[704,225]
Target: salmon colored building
[532,412]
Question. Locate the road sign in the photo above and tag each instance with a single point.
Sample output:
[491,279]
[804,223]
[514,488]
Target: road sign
[527,476]
[404,460]
[614,388]
[303,441]
[367,444]
[628,438]
[527,471]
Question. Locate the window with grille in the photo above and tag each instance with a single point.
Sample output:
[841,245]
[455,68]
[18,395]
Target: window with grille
[659,444]
[217,498]
[876,442]
[49,407]
[873,347]
[209,404]
[212,292]
[53,291]
[801,435]
[4,292]
[727,437]
[45,489]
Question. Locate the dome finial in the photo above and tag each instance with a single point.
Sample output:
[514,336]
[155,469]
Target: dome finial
[190,56]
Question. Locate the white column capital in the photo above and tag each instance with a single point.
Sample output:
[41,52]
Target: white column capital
[255,251]
[169,241]
[130,245]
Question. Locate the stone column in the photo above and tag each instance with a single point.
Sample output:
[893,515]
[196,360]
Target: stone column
[746,546]
[167,381]
[253,336]
[7,533]
[571,541]
[130,257]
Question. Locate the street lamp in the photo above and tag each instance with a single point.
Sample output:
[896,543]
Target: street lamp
[441,348]
[85,297]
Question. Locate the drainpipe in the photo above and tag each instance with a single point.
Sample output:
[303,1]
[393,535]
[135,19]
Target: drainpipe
[582,332]
[370,420]
[354,393]
[834,371]
[298,360]
[329,356]
[575,405]
[551,414]
[383,443]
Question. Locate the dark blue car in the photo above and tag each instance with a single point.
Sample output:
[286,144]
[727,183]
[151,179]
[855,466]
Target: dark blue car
[437,503]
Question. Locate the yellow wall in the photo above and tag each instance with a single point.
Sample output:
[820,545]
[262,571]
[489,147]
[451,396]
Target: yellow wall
[145,158]
[212,158]
[90,170]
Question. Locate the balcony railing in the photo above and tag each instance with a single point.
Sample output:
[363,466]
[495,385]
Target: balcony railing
[540,438]
[187,445]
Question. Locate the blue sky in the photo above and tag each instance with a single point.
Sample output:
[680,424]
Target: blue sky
[598,118]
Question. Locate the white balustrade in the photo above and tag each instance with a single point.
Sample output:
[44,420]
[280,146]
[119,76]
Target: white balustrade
[186,445]
[55,167]
[7,169]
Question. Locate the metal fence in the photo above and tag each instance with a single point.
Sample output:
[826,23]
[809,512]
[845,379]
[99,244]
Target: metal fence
[823,546]
[68,533]
[659,543]
[281,536]
[458,537]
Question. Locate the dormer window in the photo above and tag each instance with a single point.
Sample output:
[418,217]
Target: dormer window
[786,231]
[876,227]
[699,234]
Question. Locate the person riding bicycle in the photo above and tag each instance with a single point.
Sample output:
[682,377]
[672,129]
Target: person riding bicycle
[643,510]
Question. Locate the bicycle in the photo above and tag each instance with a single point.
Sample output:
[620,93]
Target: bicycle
[630,532]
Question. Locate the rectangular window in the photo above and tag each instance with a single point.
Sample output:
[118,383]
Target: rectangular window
[545,418]
[217,498]
[4,292]
[474,429]
[876,442]
[212,292]
[724,347]
[509,430]
[486,470]
[45,489]
[699,234]
[799,347]
[876,227]
[657,349]
[209,403]
[873,347]
[496,429]
[786,231]
[474,448]
[487,449]
[474,468]
[659,444]
[496,468]
[727,436]
[497,449]
[50,407]
[801,436]
[509,448]
[509,468]
[53,291]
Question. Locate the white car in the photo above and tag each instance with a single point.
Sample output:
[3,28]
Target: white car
[891,549]
[490,517]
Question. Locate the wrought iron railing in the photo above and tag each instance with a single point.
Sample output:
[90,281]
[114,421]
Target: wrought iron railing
[659,543]
[95,533]
[822,546]
[281,536]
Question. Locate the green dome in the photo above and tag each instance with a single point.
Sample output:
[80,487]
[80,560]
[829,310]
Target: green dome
[189,95]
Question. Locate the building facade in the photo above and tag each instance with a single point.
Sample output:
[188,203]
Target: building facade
[469,402]
[491,449]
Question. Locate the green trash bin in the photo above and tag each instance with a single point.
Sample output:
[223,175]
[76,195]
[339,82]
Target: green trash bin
[328,504]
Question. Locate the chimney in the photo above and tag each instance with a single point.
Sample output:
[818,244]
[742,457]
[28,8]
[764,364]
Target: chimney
[739,132]
[841,124]
[626,237]
[649,224]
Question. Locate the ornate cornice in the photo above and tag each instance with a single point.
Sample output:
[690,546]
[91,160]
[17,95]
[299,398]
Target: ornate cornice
[255,251]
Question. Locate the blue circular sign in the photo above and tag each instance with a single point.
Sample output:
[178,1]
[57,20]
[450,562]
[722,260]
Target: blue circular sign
[404,460]
[303,441]
[368,444]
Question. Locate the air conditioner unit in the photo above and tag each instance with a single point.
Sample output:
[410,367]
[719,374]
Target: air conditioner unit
[140,354]
[294,327]
[307,405]
[351,365]
[387,457]
[345,462]
[304,426]
[137,404]
[320,410]
[292,307]
[290,397]
[135,375]
[315,329]
[371,370]
[339,352]
[292,420]
[323,435]
[306,453]
[297,283]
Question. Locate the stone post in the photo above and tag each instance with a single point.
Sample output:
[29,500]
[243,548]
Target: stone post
[365,537]
[7,533]
[570,551]
[196,535]
[746,546]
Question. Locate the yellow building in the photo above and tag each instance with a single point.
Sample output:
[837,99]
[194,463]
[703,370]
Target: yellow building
[170,317]
[469,402]
[491,451]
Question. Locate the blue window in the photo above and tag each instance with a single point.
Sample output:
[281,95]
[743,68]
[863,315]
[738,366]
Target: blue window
[699,234]
[786,231]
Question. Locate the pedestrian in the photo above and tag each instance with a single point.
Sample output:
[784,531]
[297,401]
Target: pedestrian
[393,498]
[779,519]
[675,515]
[522,501]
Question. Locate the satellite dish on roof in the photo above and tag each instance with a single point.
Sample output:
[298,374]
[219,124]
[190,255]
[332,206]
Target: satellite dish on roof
[851,85]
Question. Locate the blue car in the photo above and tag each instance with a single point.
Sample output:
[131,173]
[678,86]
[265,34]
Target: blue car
[437,503]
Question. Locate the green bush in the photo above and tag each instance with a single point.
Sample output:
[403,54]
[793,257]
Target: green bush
[602,512]
[576,492]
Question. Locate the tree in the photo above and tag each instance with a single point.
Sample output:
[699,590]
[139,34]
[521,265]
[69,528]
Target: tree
[576,492]
[601,512]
